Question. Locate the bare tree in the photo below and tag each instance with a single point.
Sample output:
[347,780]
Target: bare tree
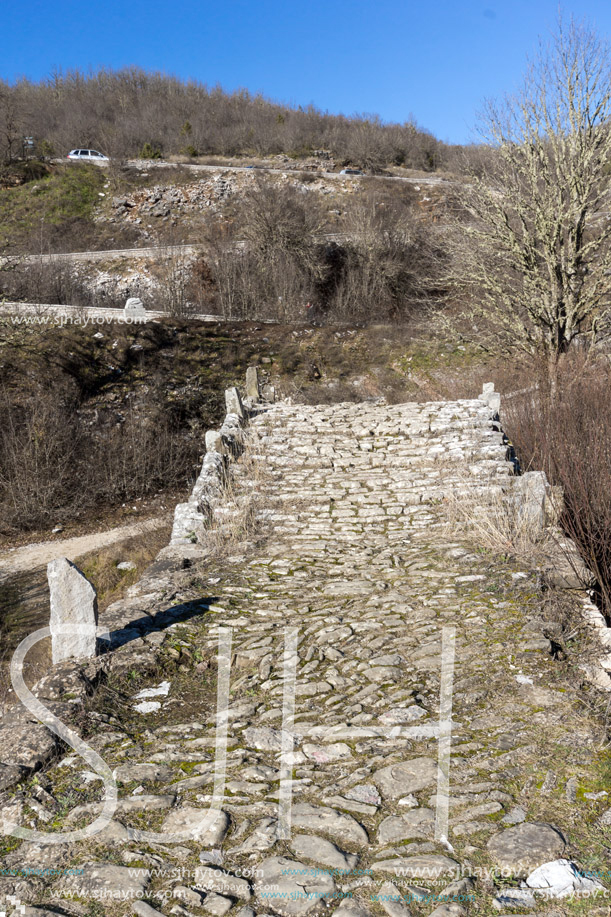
[11,125]
[539,257]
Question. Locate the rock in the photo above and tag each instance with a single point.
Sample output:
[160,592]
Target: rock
[337,824]
[233,402]
[322,851]
[264,836]
[524,847]
[452,909]
[189,524]
[37,912]
[515,816]
[490,397]
[397,715]
[364,792]
[351,909]
[252,383]
[323,754]
[74,612]
[258,771]
[268,392]
[413,825]
[126,565]
[217,881]
[209,830]
[407,777]
[134,307]
[458,888]
[214,442]
[561,879]
[101,880]
[605,818]
[514,898]
[420,866]
[531,493]
[290,887]
[232,435]
[263,737]
[217,905]
[214,857]
[160,690]
[391,900]
[142,909]
[125,773]
[125,805]
[148,706]
[384,674]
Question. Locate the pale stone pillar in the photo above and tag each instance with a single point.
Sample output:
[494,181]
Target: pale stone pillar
[252,383]
[74,611]
[233,402]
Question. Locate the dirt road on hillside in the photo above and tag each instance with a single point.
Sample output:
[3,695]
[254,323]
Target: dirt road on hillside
[31,556]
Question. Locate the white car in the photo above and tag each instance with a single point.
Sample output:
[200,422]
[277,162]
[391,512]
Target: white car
[87,156]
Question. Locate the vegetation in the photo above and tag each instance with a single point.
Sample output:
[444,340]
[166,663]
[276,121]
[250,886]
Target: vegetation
[532,248]
[53,209]
[566,432]
[384,266]
[517,264]
[129,113]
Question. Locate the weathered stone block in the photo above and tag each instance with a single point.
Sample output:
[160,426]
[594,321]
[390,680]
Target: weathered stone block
[233,402]
[189,523]
[74,611]
[252,383]
[532,490]
[214,442]
[490,397]
[134,306]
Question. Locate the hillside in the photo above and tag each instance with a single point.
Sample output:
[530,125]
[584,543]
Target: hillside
[128,112]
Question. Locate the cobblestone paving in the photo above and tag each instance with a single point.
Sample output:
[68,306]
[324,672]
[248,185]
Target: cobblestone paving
[405,644]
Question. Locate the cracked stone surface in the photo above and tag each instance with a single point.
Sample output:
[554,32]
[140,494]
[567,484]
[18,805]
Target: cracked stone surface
[359,566]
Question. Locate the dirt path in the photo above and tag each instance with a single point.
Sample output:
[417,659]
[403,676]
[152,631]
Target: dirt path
[38,555]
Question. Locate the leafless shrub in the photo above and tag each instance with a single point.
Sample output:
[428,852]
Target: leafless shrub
[55,464]
[566,431]
[283,268]
[55,282]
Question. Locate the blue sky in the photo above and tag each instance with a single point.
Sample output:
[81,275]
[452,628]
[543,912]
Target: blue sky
[397,58]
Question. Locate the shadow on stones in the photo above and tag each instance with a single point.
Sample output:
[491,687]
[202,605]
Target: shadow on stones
[148,624]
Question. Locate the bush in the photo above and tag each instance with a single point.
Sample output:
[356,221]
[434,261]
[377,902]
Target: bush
[567,433]
[130,104]
[150,151]
[384,269]
[55,464]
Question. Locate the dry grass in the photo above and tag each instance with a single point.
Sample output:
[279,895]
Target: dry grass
[236,520]
[488,516]
[101,567]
